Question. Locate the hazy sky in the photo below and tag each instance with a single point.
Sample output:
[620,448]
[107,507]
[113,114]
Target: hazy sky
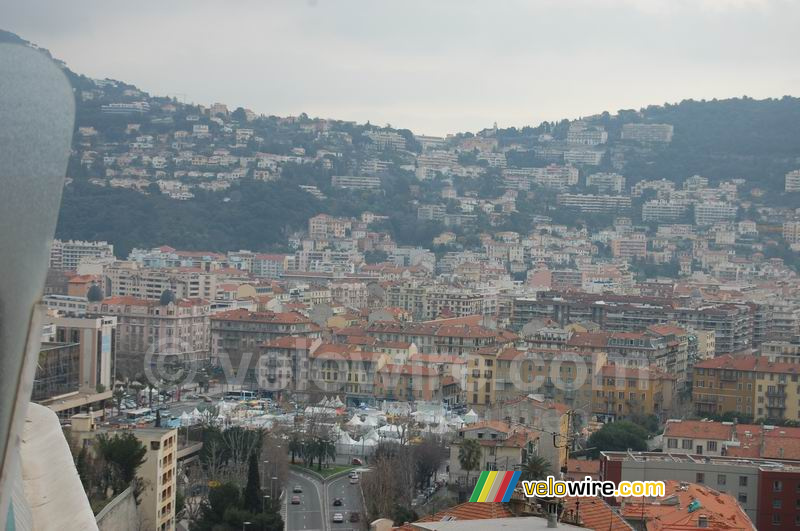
[433,66]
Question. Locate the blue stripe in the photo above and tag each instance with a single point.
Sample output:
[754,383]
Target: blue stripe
[511,486]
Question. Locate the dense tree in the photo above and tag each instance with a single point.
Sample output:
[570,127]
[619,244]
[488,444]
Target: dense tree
[123,453]
[252,492]
[618,437]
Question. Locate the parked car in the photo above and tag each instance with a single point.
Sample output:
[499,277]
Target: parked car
[297,488]
[295,500]
[358,462]
[338,518]
[355,517]
[337,502]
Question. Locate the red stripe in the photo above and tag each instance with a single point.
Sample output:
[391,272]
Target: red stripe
[501,492]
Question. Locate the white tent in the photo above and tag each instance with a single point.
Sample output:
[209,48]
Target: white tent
[471,417]
[355,421]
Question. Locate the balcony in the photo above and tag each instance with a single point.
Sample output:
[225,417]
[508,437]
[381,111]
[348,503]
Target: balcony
[706,400]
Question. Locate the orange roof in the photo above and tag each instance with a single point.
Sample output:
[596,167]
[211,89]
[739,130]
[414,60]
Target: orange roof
[290,342]
[241,314]
[497,425]
[698,429]
[593,513]
[748,363]
[589,339]
[721,510]
[466,511]
[580,466]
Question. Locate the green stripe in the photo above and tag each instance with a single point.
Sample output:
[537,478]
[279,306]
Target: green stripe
[476,494]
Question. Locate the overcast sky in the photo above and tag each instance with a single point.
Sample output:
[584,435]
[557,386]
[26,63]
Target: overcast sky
[433,66]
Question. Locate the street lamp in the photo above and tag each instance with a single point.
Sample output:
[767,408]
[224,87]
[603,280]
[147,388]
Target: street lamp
[264,502]
[272,485]
[245,524]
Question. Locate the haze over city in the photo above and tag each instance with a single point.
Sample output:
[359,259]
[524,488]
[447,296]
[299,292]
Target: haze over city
[432,67]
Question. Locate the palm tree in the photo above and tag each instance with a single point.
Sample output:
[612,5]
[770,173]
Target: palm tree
[118,395]
[469,455]
[295,446]
[535,468]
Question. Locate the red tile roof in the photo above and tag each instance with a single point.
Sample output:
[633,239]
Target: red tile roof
[592,513]
[699,429]
[467,511]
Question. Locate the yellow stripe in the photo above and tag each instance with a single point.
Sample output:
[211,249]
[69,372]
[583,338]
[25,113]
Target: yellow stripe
[487,486]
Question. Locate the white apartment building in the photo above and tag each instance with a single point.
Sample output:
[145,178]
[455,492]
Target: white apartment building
[386,139]
[129,279]
[647,132]
[791,231]
[595,203]
[663,210]
[66,255]
[580,133]
[792,183]
[710,212]
[591,157]
[607,183]
[356,182]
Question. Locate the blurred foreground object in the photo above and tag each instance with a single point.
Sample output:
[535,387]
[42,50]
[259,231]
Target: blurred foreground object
[37,112]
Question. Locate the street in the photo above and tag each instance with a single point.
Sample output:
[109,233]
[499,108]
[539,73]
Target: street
[309,514]
[316,507]
[351,502]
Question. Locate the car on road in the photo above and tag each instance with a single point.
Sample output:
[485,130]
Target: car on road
[338,518]
[295,500]
[353,479]
[355,517]
[297,488]
[358,462]
[337,502]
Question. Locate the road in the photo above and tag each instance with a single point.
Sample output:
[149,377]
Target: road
[316,507]
[351,502]
[309,514]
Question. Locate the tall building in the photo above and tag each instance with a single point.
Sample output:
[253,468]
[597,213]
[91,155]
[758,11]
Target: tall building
[647,132]
[710,212]
[179,330]
[607,183]
[792,181]
[67,254]
[158,474]
[129,279]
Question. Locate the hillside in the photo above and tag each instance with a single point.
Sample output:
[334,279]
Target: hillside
[240,173]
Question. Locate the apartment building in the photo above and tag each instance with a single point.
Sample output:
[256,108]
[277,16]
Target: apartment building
[179,330]
[607,183]
[595,203]
[663,210]
[766,489]
[710,212]
[630,247]
[350,371]
[620,392]
[791,230]
[284,364]
[752,385]
[323,227]
[792,181]
[159,478]
[440,337]
[67,254]
[731,323]
[407,382]
[129,279]
[384,140]
[504,446]
[586,135]
[239,332]
[356,182]
[647,132]
[96,337]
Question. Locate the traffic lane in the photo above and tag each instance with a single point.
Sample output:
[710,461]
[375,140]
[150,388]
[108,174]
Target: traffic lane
[350,494]
[307,515]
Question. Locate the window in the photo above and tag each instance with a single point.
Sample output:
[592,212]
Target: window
[155,445]
[742,497]
[686,444]
[777,486]
[742,481]
[721,479]
[700,477]
[776,503]
[672,443]
[711,446]
[776,518]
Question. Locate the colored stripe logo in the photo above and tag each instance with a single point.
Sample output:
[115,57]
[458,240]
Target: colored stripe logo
[495,486]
